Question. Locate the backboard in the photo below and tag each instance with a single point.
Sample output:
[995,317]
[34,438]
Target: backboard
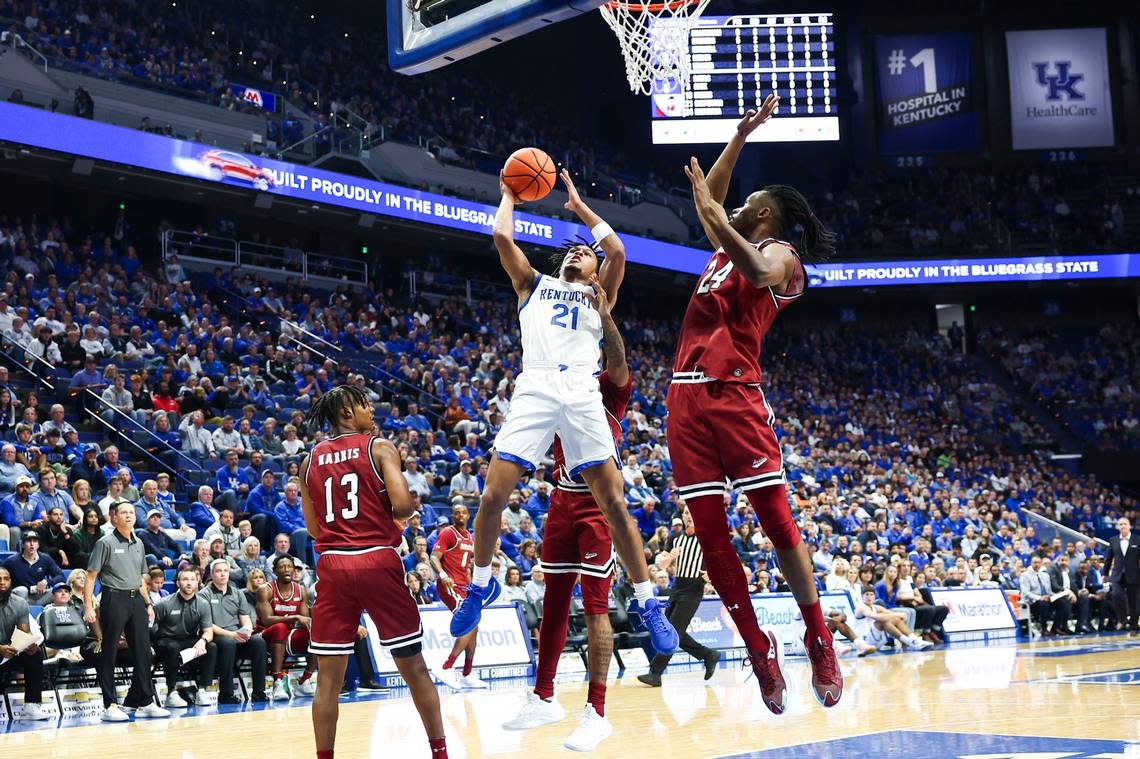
[428,34]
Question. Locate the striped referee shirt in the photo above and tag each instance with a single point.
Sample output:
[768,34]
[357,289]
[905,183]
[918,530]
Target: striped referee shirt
[690,560]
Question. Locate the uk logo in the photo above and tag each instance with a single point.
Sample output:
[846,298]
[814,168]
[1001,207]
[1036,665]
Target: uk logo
[1063,81]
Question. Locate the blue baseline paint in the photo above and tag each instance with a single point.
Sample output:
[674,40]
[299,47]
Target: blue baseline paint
[910,744]
[1092,648]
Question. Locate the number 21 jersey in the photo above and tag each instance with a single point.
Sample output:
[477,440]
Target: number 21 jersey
[561,330]
[726,320]
[349,496]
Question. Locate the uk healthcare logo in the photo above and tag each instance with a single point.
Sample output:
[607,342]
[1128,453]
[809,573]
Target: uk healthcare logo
[1062,82]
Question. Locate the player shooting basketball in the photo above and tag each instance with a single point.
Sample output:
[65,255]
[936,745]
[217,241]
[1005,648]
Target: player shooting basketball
[557,393]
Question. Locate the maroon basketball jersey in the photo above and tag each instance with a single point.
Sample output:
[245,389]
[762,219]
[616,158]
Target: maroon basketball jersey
[349,496]
[726,321]
[456,549]
[280,605]
[614,399]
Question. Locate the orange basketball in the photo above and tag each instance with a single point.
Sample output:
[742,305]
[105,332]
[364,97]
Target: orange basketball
[530,174]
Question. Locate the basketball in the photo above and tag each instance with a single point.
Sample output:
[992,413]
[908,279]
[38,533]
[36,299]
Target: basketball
[530,174]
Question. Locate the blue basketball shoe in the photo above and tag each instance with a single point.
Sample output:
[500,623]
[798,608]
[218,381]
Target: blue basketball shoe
[661,632]
[466,617]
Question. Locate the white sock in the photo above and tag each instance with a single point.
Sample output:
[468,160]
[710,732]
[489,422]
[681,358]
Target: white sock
[481,576]
[643,591]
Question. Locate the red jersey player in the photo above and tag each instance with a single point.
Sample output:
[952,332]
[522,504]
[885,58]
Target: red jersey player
[720,425]
[283,620]
[577,542]
[451,559]
[352,491]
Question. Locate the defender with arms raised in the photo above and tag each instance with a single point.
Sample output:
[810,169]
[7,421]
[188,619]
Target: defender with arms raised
[720,426]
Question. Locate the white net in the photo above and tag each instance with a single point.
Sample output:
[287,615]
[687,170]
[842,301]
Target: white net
[654,41]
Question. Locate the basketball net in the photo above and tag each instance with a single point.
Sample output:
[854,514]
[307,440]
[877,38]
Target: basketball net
[654,39]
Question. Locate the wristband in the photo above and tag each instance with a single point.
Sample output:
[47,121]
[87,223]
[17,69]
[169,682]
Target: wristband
[601,231]
[443,575]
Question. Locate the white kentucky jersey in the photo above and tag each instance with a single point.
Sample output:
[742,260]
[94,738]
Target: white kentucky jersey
[561,329]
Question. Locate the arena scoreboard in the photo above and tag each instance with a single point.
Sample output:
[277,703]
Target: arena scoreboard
[734,62]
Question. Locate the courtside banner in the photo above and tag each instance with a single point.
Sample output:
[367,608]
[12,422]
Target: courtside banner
[975,609]
[1059,93]
[504,642]
[926,93]
[712,625]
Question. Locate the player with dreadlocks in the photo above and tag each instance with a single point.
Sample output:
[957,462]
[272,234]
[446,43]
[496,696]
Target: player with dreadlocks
[720,426]
[352,493]
[558,393]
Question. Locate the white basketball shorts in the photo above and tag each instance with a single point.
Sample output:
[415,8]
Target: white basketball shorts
[551,402]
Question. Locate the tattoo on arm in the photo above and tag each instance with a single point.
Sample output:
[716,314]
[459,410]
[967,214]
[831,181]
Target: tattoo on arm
[612,342]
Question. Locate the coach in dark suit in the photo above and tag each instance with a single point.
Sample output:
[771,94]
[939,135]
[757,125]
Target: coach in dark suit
[1122,568]
[1085,582]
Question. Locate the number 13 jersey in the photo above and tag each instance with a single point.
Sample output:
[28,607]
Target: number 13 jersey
[726,320]
[561,330]
[349,496]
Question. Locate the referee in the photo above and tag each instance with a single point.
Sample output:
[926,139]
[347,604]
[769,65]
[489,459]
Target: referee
[687,560]
[118,562]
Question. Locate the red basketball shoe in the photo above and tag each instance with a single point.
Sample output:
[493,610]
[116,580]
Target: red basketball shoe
[826,679]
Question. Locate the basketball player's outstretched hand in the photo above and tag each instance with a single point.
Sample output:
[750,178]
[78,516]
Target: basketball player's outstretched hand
[752,119]
[599,300]
[573,200]
[702,198]
[506,191]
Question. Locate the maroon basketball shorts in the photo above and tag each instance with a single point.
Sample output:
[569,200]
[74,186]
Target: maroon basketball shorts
[452,596]
[721,437]
[353,581]
[577,541]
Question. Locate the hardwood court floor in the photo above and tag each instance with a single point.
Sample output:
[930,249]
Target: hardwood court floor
[1077,697]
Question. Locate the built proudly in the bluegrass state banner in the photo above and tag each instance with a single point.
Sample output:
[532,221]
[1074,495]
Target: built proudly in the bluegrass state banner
[925,93]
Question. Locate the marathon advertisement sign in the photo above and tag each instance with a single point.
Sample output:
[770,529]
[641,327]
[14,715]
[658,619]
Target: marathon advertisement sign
[975,609]
[504,642]
[712,626]
[1059,90]
[925,93]
[251,96]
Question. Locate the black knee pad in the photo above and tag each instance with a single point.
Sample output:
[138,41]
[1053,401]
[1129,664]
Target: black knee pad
[403,652]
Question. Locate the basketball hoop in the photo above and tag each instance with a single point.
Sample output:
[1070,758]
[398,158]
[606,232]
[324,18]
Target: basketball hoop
[654,39]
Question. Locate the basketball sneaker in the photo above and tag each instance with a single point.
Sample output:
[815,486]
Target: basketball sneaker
[826,678]
[280,690]
[174,700]
[661,633]
[449,677]
[466,617]
[474,682]
[309,687]
[33,712]
[769,671]
[593,728]
[535,713]
[151,711]
[115,713]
